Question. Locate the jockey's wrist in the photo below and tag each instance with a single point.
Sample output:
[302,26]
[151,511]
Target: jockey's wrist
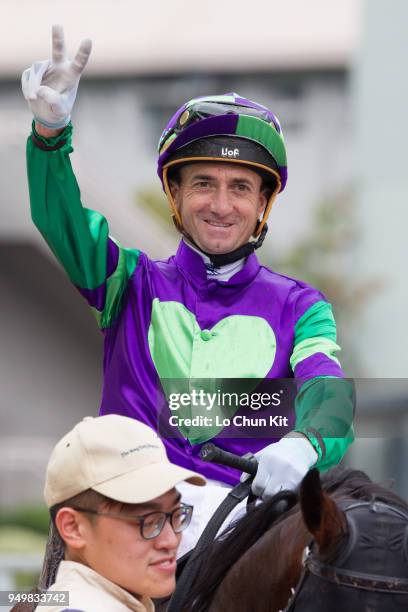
[306,445]
[52,143]
[47,132]
[314,439]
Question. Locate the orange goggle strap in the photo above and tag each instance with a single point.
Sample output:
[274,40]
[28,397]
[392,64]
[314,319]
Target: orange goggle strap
[174,210]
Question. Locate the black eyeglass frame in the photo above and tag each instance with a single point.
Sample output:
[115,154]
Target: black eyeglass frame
[140,520]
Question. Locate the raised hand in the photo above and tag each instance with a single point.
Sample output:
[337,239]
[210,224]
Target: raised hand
[50,86]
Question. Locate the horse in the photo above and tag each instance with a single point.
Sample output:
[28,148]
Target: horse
[342,545]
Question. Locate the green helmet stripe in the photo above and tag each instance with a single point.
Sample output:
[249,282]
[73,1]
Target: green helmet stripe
[263,133]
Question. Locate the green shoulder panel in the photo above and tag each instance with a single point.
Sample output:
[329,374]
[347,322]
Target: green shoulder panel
[116,285]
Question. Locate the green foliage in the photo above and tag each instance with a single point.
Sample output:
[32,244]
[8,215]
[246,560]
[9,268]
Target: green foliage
[155,202]
[321,257]
[35,518]
[21,540]
[26,581]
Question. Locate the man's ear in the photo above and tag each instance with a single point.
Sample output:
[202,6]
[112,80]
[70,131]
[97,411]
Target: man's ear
[72,527]
[174,189]
[264,196]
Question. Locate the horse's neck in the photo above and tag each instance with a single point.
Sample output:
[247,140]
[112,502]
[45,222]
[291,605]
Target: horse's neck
[268,570]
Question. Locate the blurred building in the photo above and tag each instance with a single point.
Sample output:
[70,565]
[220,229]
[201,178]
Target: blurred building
[148,59]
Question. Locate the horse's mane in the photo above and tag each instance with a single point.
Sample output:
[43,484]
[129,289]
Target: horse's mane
[232,544]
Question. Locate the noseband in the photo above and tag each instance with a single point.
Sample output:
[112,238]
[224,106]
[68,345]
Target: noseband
[341,576]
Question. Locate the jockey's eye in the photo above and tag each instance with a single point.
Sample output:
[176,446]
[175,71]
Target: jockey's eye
[203,184]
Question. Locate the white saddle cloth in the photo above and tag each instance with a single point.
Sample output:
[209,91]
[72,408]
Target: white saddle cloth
[205,501]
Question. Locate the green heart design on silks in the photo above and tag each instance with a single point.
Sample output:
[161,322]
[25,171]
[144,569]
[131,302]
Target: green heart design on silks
[187,357]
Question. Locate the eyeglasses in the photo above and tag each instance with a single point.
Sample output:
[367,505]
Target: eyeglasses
[151,524]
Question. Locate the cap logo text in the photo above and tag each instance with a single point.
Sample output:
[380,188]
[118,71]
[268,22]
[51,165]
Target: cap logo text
[226,152]
[137,448]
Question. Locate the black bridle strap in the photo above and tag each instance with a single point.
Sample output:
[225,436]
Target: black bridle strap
[357,580]
[348,578]
[295,592]
[192,567]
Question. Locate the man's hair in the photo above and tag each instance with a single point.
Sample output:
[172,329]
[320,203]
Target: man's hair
[88,500]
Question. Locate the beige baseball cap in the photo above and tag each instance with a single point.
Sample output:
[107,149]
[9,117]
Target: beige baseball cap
[116,456]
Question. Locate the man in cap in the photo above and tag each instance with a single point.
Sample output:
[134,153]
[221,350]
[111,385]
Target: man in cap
[211,311]
[112,496]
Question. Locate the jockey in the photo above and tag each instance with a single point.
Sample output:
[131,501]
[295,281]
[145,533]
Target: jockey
[210,311]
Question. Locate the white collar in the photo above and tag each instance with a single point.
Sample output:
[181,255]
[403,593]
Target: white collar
[222,273]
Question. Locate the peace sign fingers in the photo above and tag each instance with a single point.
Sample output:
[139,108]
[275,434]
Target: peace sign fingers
[58,44]
[50,86]
[82,56]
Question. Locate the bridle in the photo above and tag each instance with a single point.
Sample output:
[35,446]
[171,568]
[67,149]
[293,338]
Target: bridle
[341,576]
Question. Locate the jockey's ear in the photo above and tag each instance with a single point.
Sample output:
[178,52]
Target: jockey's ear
[174,188]
[174,177]
[322,517]
[263,199]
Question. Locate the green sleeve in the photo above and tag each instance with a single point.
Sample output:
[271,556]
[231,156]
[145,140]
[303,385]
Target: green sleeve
[78,237]
[324,414]
[325,400]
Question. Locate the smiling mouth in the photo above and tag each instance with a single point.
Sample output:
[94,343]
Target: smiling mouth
[166,564]
[217,223]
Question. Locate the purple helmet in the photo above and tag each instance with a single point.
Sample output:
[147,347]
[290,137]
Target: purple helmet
[224,128]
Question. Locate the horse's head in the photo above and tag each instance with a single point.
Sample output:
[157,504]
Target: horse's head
[358,555]
[357,532]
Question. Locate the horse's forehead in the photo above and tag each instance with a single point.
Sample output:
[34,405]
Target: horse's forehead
[374,526]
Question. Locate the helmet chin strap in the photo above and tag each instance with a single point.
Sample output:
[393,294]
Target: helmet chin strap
[222,259]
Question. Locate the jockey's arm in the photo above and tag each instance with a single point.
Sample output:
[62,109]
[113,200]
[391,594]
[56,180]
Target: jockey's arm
[324,408]
[79,238]
[325,400]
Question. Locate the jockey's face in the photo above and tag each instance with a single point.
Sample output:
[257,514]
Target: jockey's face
[115,548]
[219,204]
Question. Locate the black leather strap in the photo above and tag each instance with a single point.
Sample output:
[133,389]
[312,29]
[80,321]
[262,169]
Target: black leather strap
[313,432]
[41,145]
[344,577]
[239,253]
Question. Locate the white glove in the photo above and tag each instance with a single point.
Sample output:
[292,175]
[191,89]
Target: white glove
[50,86]
[282,466]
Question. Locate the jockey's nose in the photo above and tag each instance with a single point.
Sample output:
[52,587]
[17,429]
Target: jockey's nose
[221,204]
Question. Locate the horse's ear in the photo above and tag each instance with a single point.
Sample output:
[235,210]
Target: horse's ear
[322,517]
